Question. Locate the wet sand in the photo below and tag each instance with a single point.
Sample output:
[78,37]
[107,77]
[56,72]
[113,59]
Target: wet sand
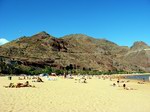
[64,95]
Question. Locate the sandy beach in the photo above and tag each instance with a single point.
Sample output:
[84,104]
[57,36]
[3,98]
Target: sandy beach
[67,95]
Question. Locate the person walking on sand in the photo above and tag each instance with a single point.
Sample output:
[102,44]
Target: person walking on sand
[124,86]
[118,82]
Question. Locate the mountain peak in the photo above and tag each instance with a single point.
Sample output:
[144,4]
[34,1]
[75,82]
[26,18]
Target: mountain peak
[42,34]
[78,36]
[139,45]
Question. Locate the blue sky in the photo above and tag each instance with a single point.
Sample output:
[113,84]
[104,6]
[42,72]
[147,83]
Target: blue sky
[120,21]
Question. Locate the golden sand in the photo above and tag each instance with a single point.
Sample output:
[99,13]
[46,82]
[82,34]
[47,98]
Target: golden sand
[64,95]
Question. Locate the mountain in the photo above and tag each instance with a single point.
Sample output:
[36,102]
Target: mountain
[79,50]
[139,45]
[139,54]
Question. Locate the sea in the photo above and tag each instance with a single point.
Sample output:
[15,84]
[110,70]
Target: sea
[139,77]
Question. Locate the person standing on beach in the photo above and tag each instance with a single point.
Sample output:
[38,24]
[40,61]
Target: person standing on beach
[65,75]
[124,86]
[9,77]
[118,82]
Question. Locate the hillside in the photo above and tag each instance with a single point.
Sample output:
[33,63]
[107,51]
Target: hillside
[80,50]
[139,54]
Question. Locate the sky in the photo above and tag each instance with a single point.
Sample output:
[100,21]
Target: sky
[120,21]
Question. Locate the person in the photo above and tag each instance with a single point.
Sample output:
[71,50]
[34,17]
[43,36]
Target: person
[9,77]
[11,85]
[26,84]
[24,77]
[39,79]
[110,78]
[128,88]
[84,80]
[19,85]
[114,84]
[140,82]
[124,86]
[65,75]
[118,83]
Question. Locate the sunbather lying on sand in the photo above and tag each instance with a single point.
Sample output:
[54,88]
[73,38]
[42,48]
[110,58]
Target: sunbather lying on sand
[141,83]
[84,81]
[26,84]
[127,88]
[81,80]
[77,80]
[38,80]
[114,84]
[11,85]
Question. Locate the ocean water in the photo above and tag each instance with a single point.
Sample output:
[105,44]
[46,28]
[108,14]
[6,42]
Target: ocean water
[139,77]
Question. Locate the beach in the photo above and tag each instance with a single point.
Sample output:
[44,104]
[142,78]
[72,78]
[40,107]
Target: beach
[68,95]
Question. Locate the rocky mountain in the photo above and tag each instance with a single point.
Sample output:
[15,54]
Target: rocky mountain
[138,46]
[139,54]
[80,50]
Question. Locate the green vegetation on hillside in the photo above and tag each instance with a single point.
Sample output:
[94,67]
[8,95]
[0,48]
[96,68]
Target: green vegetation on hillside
[17,69]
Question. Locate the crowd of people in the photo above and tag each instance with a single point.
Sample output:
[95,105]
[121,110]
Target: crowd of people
[78,79]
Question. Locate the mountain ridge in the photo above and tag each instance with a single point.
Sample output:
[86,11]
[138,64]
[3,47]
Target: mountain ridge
[77,49]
